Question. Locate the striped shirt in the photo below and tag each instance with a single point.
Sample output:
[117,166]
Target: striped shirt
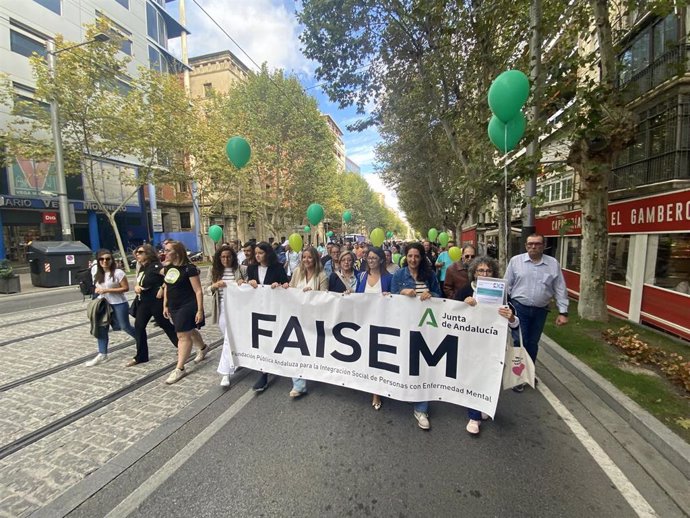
[420,287]
[535,284]
[228,277]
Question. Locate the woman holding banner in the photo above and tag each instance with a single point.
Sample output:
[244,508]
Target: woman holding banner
[309,276]
[482,267]
[223,271]
[374,279]
[266,271]
[344,279]
[417,279]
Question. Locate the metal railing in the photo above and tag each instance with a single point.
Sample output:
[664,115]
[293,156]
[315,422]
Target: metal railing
[670,64]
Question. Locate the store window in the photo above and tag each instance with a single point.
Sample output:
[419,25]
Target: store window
[572,253]
[673,262]
[619,248]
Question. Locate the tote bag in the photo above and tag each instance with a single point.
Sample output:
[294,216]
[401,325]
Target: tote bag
[518,367]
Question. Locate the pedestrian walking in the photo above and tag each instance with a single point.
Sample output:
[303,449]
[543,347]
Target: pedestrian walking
[375,279]
[309,276]
[148,302]
[225,270]
[110,288]
[183,302]
[533,280]
[267,271]
[417,279]
[482,267]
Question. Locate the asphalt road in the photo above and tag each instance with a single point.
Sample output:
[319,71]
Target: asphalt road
[38,299]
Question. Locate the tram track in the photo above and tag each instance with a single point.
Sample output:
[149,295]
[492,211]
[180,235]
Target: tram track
[42,333]
[44,431]
[53,315]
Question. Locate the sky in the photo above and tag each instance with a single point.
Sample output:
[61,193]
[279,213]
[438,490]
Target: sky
[268,31]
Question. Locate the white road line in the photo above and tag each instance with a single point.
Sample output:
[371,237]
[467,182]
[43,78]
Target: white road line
[627,490]
[137,497]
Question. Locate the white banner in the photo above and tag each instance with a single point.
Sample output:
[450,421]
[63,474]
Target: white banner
[395,346]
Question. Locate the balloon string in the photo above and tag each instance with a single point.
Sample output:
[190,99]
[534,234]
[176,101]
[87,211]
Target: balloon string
[505,189]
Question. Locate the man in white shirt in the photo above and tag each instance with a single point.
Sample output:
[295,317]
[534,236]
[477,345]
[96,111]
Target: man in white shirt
[534,279]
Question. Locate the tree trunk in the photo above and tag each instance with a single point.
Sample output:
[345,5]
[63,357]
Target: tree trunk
[120,246]
[594,251]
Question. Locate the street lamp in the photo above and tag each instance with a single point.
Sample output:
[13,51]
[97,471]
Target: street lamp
[57,135]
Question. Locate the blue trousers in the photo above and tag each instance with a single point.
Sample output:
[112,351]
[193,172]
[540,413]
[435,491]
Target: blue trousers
[532,320]
[121,317]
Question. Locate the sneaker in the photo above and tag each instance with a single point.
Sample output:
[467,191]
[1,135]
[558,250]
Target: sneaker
[473,427]
[99,358]
[225,381]
[175,376]
[294,394]
[201,354]
[519,388]
[261,384]
[422,420]
[485,417]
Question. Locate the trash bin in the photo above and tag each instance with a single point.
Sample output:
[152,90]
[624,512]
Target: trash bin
[55,263]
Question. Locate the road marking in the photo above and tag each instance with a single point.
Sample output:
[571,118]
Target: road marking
[137,497]
[624,486]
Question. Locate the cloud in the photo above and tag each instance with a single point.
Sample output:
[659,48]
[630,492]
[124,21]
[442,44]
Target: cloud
[266,29]
[390,198]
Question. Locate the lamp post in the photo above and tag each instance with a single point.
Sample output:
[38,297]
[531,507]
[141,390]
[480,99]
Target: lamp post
[57,136]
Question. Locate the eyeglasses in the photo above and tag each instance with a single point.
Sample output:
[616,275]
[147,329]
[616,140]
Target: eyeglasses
[485,271]
[469,257]
[534,244]
[105,259]
[168,250]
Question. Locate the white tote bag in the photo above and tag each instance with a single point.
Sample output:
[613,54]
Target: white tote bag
[518,367]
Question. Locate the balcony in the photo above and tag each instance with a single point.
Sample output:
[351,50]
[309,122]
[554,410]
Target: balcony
[670,64]
[674,165]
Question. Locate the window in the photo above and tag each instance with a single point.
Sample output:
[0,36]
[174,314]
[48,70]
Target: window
[124,34]
[208,89]
[123,3]
[185,220]
[157,60]
[25,105]
[182,187]
[673,261]
[619,246]
[155,26]
[572,253]
[53,5]
[26,45]
[559,189]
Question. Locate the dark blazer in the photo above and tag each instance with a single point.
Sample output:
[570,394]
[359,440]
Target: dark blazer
[275,273]
[386,279]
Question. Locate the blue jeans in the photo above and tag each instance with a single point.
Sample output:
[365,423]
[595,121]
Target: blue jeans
[473,414]
[422,406]
[121,317]
[299,384]
[532,320]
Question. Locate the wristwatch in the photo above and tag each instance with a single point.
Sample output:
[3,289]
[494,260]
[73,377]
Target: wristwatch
[564,314]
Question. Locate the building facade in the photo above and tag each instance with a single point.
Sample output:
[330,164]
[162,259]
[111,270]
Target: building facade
[339,144]
[649,196]
[28,189]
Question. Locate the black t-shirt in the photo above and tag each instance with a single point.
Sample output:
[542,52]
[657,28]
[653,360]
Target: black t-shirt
[180,291]
[150,279]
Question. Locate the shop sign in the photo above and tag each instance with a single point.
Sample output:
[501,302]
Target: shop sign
[50,218]
[157,220]
[469,237]
[16,202]
[668,212]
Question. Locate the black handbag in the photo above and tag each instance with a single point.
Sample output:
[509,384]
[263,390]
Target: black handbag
[133,306]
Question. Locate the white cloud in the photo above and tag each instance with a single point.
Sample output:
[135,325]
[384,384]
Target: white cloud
[390,198]
[265,29]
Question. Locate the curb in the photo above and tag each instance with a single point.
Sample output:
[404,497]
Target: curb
[668,444]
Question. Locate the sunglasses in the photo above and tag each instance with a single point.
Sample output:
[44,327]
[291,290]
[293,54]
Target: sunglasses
[105,259]
[469,257]
[139,252]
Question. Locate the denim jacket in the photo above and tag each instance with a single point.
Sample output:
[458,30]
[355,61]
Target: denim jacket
[402,279]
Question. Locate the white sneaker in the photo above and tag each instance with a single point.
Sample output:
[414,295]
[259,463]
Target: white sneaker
[225,381]
[175,376]
[422,420]
[201,354]
[99,358]
[473,427]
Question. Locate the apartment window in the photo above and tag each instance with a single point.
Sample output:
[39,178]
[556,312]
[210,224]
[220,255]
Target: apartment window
[157,61]
[25,45]
[182,187]
[208,89]
[53,5]
[25,104]
[124,34]
[558,190]
[155,26]
[123,3]
[185,220]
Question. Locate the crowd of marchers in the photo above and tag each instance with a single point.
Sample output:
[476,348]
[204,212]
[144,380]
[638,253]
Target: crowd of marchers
[170,290]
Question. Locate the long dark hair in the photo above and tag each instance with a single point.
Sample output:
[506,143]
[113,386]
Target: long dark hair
[271,256]
[424,269]
[218,268]
[382,259]
[100,271]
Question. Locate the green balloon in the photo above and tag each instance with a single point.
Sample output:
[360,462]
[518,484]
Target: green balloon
[389,234]
[315,213]
[347,216]
[508,94]
[432,235]
[238,151]
[443,238]
[329,233]
[295,242]
[396,258]
[215,233]
[307,228]
[506,136]
[377,236]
